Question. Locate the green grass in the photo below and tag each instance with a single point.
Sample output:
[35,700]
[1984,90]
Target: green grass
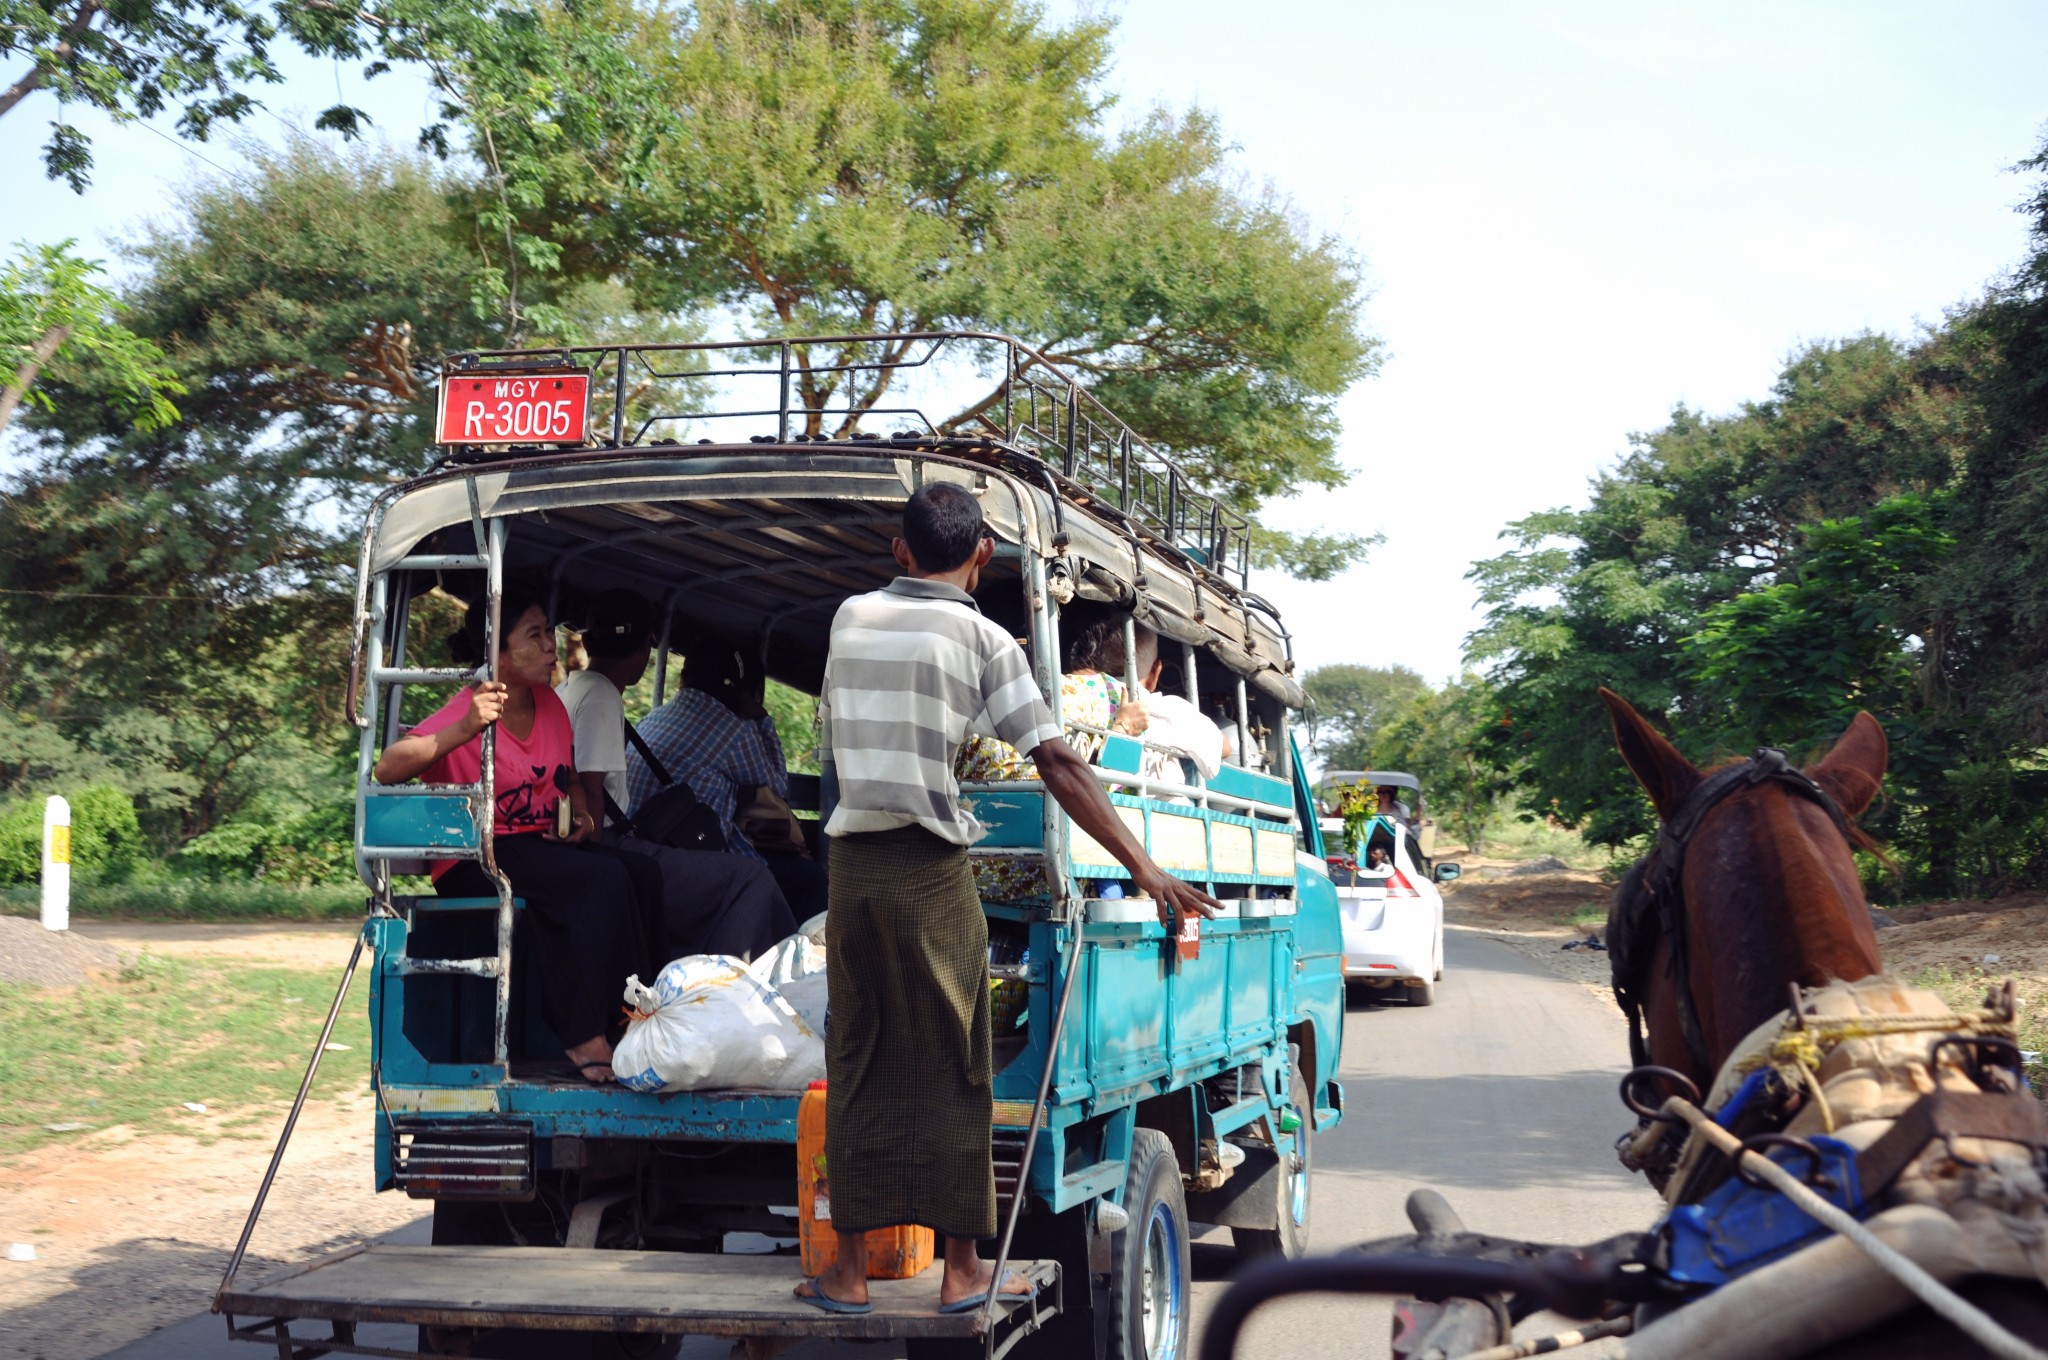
[186,899]
[133,1050]
[1592,916]
[1964,988]
[1511,838]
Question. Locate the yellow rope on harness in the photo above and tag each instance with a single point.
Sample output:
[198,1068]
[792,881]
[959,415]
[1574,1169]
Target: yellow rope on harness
[1805,1042]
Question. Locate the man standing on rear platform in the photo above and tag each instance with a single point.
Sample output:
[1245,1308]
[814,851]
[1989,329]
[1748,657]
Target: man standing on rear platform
[913,668]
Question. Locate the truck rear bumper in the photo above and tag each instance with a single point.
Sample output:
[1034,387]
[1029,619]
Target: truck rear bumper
[567,1289]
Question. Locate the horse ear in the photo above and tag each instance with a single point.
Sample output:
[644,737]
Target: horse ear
[1665,775]
[1853,770]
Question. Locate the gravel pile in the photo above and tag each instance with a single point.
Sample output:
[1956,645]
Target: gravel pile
[1549,864]
[47,958]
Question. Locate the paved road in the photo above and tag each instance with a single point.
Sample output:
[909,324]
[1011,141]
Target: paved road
[1501,1095]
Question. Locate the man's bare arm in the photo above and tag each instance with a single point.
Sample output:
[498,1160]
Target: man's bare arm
[1072,784]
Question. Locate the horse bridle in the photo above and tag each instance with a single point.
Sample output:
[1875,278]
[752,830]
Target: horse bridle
[1657,880]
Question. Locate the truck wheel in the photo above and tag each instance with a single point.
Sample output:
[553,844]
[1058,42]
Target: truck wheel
[1149,1271]
[1290,1239]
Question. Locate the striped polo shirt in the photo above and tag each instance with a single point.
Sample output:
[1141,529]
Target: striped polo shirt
[913,669]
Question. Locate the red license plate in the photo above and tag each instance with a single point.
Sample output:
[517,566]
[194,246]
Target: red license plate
[550,406]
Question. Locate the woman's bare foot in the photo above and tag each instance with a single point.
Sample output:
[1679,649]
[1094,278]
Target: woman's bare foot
[593,1059]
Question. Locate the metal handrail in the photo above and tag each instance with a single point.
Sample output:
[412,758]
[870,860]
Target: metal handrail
[1123,780]
[1037,409]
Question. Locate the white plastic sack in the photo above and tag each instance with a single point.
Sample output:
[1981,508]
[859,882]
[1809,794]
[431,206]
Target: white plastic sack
[791,958]
[708,1023]
[796,969]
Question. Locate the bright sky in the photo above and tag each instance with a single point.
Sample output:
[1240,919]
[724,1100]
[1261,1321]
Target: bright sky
[1572,216]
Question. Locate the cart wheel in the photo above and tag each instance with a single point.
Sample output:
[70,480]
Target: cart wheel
[1422,994]
[1149,1281]
[1290,1239]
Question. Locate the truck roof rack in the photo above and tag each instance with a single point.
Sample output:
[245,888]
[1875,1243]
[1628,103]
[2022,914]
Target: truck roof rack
[1034,412]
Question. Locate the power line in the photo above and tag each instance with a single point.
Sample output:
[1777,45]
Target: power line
[184,147]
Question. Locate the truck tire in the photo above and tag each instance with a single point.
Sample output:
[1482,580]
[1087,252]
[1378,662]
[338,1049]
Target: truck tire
[1290,1239]
[1150,1278]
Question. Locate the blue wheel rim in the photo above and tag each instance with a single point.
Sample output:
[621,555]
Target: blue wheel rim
[1162,1288]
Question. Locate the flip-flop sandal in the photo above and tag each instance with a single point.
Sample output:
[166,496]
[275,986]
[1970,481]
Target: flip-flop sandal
[583,1071]
[974,1301]
[818,1298]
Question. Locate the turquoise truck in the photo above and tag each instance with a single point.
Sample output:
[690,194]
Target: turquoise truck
[1148,1086]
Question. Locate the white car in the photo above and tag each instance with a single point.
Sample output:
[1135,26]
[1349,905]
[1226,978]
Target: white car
[1393,912]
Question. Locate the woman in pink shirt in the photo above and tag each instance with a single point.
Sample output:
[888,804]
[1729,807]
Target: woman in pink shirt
[591,910]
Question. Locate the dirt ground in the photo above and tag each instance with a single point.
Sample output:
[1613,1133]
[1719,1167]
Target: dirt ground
[2000,937]
[1532,913]
[132,1233]
[291,945]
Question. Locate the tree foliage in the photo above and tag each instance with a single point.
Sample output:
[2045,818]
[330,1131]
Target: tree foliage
[172,594]
[1348,705]
[1443,738]
[55,318]
[106,841]
[1865,537]
[1697,513]
[1390,718]
[134,59]
[822,167]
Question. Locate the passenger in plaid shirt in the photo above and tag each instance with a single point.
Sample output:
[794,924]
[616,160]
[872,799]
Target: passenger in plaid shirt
[717,737]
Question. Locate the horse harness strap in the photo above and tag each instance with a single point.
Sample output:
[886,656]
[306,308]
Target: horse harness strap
[1656,885]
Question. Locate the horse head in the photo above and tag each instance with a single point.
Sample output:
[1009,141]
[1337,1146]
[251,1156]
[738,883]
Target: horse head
[1751,887]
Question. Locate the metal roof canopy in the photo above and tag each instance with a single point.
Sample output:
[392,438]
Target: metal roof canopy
[765,540]
[1393,778]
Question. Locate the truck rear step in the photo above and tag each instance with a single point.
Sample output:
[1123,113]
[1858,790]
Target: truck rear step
[563,1289]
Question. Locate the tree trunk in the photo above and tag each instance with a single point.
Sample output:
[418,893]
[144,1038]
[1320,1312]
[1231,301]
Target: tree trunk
[39,354]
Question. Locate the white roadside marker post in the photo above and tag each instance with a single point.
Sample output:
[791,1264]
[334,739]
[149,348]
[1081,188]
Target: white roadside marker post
[56,864]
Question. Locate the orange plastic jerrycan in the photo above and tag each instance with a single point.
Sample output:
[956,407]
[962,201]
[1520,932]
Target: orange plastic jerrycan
[893,1253]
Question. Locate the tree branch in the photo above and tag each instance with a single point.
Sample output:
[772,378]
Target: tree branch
[88,10]
[976,411]
[39,354]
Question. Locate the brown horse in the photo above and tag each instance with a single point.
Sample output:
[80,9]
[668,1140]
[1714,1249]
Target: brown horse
[1751,887]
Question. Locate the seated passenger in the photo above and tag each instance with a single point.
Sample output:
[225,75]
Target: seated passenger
[713,903]
[716,736]
[1239,748]
[1176,731]
[592,909]
[1091,696]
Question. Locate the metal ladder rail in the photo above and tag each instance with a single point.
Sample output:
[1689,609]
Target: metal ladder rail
[386,683]
[1045,636]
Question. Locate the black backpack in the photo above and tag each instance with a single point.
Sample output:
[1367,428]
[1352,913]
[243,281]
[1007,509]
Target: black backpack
[674,815]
